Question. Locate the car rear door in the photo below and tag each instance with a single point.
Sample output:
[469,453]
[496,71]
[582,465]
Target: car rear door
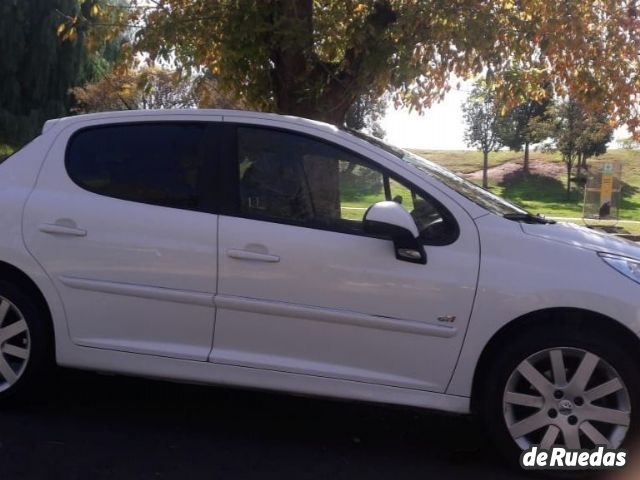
[122,219]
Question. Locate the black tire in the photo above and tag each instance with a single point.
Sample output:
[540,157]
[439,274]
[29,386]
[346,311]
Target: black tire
[618,355]
[41,359]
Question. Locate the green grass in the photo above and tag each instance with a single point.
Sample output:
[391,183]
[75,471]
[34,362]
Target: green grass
[5,151]
[354,203]
[545,194]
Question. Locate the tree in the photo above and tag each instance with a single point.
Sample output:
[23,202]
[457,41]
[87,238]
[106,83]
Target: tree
[518,128]
[567,126]
[577,134]
[594,139]
[37,69]
[315,58]
[41,60]
[149,88]
[481,115]
[366,114]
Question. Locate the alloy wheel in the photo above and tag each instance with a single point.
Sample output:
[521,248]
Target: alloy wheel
[15,344]
[566,397]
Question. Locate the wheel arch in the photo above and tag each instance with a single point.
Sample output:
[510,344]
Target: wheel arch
[581,318]
[21,279]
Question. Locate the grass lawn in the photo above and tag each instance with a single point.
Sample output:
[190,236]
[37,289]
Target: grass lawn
[547,194]
[467,161]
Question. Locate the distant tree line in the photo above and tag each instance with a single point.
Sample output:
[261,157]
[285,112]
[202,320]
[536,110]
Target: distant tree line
[562,124]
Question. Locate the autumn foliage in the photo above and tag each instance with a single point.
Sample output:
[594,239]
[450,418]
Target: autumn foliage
[316,57]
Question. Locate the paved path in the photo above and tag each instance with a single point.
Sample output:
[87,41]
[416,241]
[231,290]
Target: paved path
[97,427]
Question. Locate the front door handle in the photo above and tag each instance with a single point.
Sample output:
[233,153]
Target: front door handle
[59,229]
[255,256]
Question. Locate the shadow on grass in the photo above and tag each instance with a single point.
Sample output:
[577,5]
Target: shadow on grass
[549,193]
[538,188]
[628,202]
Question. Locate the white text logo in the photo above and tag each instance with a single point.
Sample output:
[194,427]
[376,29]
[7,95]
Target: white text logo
[559,458]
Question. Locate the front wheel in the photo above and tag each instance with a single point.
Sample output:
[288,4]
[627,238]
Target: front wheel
[570,389]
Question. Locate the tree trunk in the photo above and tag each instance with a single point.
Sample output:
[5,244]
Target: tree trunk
[297,70]
[525,165]
[579,165]
[291,60]
[485,168]
[569,169]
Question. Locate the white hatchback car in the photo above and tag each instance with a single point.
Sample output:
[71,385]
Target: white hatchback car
[267,251]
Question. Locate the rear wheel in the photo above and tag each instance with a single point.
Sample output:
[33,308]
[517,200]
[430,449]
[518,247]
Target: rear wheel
[569,388]
[25,343]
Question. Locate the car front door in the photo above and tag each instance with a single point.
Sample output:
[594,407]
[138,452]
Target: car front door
[121,220]
[303,290]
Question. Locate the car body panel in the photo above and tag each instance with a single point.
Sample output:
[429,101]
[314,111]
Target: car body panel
[582,237]
[196,372]
[397,359]
[127,246]
[18,176]
[388,329]
[520,274]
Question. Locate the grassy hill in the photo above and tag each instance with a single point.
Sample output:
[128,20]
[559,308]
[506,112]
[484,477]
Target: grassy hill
[544,191]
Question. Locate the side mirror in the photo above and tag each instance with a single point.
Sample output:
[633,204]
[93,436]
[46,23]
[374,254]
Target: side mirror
[390,220]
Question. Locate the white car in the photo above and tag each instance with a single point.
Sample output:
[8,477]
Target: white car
[265,251]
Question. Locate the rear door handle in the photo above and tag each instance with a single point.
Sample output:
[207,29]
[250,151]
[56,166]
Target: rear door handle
[248,255]
[56,229]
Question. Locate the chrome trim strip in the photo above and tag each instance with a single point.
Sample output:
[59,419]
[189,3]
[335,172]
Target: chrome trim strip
[142,291]
[283,309]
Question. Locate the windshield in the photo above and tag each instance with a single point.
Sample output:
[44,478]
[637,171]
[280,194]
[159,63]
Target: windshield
[473,192]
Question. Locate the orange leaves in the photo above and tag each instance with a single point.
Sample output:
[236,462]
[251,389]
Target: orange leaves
[360,8]
[587,48]
[68,32]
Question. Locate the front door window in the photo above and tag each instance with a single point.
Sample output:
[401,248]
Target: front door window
[295,179]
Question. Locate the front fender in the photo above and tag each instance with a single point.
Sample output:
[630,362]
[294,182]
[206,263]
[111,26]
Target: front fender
[521,274]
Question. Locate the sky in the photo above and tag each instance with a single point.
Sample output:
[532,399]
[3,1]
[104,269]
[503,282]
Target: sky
[441,127]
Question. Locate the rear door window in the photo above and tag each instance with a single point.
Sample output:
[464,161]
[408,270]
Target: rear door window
[160,164]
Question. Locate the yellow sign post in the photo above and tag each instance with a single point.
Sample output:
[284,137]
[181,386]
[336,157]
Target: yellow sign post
[602,192]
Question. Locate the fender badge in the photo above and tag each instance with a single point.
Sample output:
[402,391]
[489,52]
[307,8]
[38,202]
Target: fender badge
[447,318]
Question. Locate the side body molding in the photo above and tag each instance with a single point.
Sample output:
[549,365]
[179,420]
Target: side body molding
[261,306]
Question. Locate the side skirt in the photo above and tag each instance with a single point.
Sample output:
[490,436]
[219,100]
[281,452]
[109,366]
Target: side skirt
[189,371]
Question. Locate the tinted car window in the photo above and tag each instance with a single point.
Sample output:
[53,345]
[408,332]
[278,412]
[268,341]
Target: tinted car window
[158,164]
[293,178]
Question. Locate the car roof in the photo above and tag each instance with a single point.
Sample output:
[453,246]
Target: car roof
[236,114]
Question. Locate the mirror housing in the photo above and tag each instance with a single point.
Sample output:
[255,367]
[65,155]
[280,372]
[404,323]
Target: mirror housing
[390,220]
